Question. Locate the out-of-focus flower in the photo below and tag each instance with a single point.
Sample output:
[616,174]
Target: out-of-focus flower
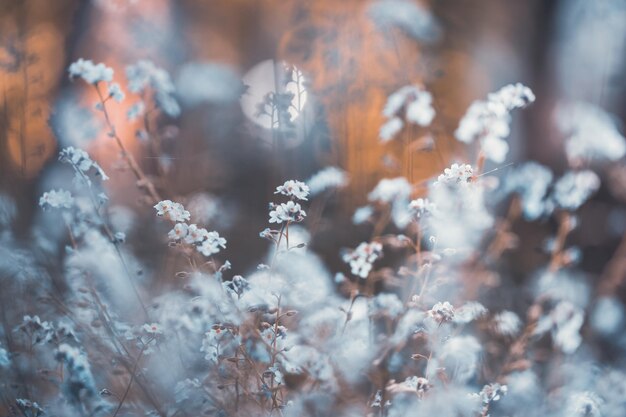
[327,178]
[408,16]
[143,75]
[531,181]
[564,323]
[115,91]
[56,199]
[396,192]
[591,133]
[574,188]
[489,120]
[422,207]
[507,323]
[584,404]
[90,72]
[411,102]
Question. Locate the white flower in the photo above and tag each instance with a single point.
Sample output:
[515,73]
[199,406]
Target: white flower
[468,312]
[492,392]
[212,244]
[489,120]
[195,234]
[153,328]
[136,110]
[390,129]
[362,258]
[81,162]
[507,323]
[564,323]
[116,92]
[327,178]
[179,231]
[592,132]
[442,312]
[386,304]
[172,211]
[145,74]
[584,404]
[422,207]
[389,190]
[287,212]
[457,174]
[531,181]
[362,214]
[574,188]
[417,105]
[90,72]
[56,199]
[293,189]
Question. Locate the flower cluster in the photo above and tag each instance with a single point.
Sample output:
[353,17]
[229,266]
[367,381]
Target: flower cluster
[363,257]
[410,103]
[56,199]
[457,174]
[205,242]
[95,73]
[143,75]
[489,120]
[326,179]
[82,164]
[290,211]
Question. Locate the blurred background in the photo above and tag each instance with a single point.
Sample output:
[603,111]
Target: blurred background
[349,55]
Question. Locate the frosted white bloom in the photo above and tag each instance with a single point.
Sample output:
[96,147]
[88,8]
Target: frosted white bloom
[327,178]
[411,102]
[584,404]
[90,72]
[564,323]
[531,181]
[457,174]
[574,188]
[422,207]
[489,120]
[152,329]
[172,211]
[507,323]
[56,199]
[362,258]
[442,312]
[212,244]
[143,75]
[116,92]
[591,132]
[512,96]
[286,212]
[179,231]
[195,234]
[81,162]
[293,189]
